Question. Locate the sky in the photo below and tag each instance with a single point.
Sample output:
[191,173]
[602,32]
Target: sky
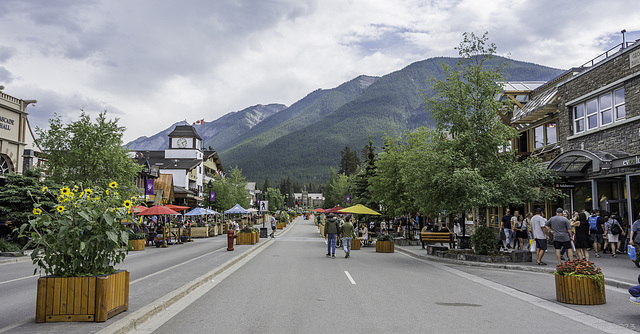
[151,63]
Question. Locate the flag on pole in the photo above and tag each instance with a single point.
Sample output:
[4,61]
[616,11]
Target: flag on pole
[199,122]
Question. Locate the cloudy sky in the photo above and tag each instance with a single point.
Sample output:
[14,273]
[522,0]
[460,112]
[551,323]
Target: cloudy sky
[155,62]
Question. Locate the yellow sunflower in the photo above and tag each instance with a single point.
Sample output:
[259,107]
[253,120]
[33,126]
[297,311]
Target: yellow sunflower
[65,191]
[60,208]
[75,189]
[106,191]
[113,184]
[88,191]
[37,211]
[127,204]
[44,189]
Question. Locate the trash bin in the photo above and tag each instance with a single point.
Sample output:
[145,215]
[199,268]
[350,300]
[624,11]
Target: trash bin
[464,242]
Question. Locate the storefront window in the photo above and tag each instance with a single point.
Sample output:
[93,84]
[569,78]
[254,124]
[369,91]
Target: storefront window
[551,133]
[538,136]
[582,196]
[635,195]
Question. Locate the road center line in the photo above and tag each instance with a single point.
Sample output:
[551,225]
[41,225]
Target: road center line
[349,277]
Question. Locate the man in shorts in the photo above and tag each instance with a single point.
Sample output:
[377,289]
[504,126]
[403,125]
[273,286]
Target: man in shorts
[561,229]
[540,235]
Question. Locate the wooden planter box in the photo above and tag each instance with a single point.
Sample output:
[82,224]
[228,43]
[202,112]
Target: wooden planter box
[280,226]
[199,232]
[355,244]
[95,298]
[137,245]
[244,238]
[384,246]
[579,291]
[254,238]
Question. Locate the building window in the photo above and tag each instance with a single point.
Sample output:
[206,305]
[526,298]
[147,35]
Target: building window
[538,136]
[551,133]
[578,118]
[544,135]
[600,111]
[618,97]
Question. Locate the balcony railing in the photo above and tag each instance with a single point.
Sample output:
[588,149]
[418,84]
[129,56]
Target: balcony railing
[607,54]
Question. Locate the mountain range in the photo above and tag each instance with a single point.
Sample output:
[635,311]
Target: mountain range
[304,140]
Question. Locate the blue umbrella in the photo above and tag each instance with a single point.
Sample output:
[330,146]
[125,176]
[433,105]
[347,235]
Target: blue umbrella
[237,209]
[197,212]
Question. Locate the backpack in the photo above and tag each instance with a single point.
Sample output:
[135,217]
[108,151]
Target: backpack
[615,228]
[593,223]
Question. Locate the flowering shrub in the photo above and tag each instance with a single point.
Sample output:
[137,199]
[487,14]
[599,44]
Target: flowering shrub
[83,234]
[581,269]
[248,229]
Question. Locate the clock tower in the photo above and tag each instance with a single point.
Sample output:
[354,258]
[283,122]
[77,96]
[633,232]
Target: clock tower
[184,143]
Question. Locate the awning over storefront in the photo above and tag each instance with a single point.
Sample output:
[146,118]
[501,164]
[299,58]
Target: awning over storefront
[577,162]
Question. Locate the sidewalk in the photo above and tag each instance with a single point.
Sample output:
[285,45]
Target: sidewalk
[618,272]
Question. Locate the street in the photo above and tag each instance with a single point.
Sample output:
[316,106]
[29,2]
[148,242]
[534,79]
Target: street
[288,285]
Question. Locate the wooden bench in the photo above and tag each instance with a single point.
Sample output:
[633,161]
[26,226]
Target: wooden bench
[436,237]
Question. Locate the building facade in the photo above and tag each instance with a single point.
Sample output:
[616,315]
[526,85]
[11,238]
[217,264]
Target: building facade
[599,135]
[17,147]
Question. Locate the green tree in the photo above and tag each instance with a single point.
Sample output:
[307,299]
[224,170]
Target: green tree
[223,194]
[361,191]
[464,164]
[238,184]
[276,200]
[387,187]
[349,161]
[86,153]
[337,189]
[18,195]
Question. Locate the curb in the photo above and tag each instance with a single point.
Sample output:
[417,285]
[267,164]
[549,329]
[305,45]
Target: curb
[137,318]
[608,281]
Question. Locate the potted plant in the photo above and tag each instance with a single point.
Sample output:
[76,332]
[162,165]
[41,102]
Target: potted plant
[137,241]
[245,236]
[76,245]
[579,282]
[384,243]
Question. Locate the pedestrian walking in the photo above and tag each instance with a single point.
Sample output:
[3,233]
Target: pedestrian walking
[613,231]
[272,220]
[596,225]
[347,230]
[521,232]
[561,229]
[505,226]
[582,236]
[331,229]
[540,235]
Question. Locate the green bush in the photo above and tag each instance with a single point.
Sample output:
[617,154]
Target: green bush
[484,240]
[137,236]
[7,246]
[385,237]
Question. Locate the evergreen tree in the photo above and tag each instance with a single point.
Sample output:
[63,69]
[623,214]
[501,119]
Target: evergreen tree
[349,161]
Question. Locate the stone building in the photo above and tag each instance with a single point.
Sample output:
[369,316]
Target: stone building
[599,134]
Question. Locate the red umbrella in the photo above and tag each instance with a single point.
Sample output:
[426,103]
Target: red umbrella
[138,208]
[319,210]
[176,207]
[333,210]
[158,210]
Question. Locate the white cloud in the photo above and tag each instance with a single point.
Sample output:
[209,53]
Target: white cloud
[154,63]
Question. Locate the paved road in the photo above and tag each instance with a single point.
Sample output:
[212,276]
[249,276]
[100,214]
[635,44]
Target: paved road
[288,286]
[154,273]
[291,287]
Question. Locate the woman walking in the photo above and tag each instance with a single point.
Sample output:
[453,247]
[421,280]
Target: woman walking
[582,236]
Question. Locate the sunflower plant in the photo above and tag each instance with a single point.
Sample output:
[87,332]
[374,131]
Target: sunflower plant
[82,234]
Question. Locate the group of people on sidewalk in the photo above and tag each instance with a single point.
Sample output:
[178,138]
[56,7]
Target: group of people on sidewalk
[571,236]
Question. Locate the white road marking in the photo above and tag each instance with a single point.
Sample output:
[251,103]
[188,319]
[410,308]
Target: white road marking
[175,266]
[18,279]
[349,277]
[591,321]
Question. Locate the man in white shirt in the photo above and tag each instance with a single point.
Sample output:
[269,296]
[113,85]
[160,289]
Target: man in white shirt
[540,234]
